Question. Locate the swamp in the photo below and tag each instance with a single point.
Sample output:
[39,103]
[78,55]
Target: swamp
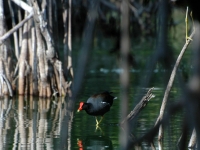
[55,54]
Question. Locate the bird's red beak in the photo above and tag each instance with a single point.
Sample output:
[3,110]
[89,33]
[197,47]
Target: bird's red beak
[80,106]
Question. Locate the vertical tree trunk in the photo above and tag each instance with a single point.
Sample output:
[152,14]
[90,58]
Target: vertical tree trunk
[55,27]
[86,46]
[43,84]
[69,67]
[124,76]
[65,16]
[33,63]
[15,33]
[5,59]
[23,61]
[2,84]
[50,19]
[67,41]
[20,29]
[30,57]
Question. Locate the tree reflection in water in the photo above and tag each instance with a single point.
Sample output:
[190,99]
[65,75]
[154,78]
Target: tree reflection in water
[32,123]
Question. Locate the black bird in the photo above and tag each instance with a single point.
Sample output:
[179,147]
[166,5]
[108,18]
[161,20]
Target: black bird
[97,105]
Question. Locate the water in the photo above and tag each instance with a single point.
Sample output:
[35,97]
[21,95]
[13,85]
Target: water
[33,123]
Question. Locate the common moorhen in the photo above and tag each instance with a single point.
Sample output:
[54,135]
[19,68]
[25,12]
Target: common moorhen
[97,105]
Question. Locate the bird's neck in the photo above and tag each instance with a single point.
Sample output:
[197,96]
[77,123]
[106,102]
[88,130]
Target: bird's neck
[87,107]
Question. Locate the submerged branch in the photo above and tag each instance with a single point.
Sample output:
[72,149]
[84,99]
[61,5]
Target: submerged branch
[151,134]
[139,106]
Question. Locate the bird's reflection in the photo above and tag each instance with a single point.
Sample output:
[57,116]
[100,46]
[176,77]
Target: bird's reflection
[95,142]
[99,128]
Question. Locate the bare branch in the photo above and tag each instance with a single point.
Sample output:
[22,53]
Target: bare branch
[139,106]
[171,80]
[23,5]
[19,25]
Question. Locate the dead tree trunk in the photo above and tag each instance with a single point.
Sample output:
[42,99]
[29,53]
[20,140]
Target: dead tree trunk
[16,43]
[38,66]
[67,41]
[44,87]
[23,61]
[69,64]
[5,59]
[50,67]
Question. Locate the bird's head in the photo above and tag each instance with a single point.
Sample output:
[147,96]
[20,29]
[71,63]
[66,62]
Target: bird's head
[80,106]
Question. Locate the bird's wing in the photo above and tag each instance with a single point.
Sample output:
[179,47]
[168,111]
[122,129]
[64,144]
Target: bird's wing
[105,103]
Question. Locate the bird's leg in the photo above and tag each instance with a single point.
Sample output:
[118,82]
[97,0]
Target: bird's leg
[98,122]
[101,119]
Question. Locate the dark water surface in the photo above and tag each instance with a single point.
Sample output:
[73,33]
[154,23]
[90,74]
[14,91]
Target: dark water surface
[33,123]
